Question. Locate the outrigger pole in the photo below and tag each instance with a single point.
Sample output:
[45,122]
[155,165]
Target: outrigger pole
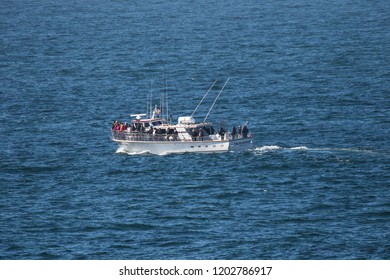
[203,98]
[216,99]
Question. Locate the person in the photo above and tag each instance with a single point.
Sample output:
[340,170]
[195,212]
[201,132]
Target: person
[200,134]
[117,126]
[157,112]
[245,131]
[193,134]
[170,133]
[234,132]
[175,134]
[222,133]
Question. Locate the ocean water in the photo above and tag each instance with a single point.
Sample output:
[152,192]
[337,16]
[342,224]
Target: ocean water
[311,77]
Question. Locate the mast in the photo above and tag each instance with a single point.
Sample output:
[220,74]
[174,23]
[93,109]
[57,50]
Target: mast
[216,99]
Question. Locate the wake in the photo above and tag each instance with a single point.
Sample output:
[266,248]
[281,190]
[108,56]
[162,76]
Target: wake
[274,148]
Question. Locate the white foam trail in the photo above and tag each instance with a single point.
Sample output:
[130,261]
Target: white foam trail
[271,148]
[353,150]
[267,148]
[300,148]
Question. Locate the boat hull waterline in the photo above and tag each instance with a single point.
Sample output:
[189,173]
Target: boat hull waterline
[169,147]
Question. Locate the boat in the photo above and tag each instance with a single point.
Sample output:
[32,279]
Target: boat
[155,135]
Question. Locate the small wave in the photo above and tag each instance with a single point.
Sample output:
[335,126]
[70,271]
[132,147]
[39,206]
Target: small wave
[146,152]
[120,150]
[123,151]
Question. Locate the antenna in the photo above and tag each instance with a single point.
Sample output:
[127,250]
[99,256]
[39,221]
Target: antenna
[216,99]
[166,94]
[203,98]
[151,98]
[161,104]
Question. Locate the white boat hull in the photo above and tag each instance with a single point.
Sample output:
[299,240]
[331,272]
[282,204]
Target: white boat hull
[169,147]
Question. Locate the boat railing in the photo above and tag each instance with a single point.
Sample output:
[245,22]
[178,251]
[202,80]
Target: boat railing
[140,136]
[239,136]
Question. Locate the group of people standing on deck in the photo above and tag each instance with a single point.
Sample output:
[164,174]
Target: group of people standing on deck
[152,133]
[242,131]
[119,126]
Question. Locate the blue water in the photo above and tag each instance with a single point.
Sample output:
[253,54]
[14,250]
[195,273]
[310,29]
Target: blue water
[311,77]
